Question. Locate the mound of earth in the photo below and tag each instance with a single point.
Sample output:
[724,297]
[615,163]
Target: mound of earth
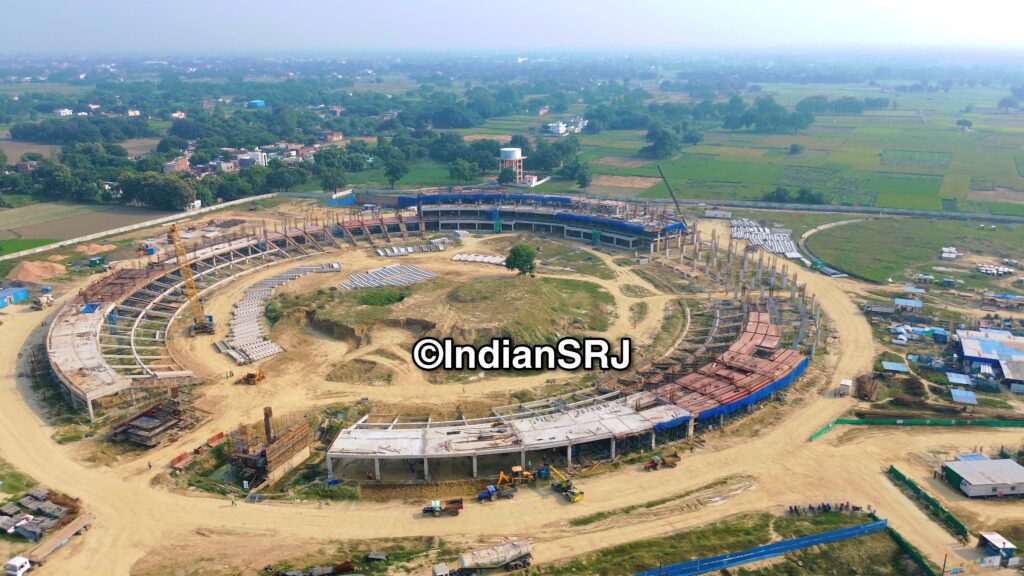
[35,272]
[92,249]
[359,371]
[527,310]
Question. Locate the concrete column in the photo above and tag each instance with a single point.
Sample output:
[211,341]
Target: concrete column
[613,448]
[652,440]
[721,420]
[376,469]
[474,465]
[568,455]
[426,469]
[330,468]
[690,427]
[522,459]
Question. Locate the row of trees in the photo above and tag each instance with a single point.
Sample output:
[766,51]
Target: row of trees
[767,115]
[802,196]
[82,129]
[844,105]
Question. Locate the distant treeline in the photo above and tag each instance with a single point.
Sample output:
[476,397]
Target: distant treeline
[783,196]
[81,129]
[844,105]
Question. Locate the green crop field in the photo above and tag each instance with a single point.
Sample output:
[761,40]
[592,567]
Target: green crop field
[19,244]
[884,249]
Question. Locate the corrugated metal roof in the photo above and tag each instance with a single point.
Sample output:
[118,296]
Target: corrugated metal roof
[895,366]
[964,397]
[971,457]
[997,540]
[908,302]
[981,472]
[961,379]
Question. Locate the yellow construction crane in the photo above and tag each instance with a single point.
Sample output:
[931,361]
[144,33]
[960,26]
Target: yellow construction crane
[561,483]
[202,324]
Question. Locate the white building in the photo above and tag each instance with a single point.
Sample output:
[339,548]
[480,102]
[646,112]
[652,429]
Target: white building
[251,159]
[63,111]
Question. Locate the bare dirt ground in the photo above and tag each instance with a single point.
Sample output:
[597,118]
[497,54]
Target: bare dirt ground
[625,181]
[620,162]
[1000,194]
[136,519]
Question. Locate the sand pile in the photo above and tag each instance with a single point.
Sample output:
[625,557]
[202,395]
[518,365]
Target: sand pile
[91,249]
[35,272]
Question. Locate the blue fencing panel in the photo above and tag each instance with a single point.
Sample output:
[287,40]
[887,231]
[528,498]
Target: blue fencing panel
[675,226]
[594,220]
[671,423]
[407,201]
[716,563]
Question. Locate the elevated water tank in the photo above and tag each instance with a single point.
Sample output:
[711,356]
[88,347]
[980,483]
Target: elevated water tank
[511,153]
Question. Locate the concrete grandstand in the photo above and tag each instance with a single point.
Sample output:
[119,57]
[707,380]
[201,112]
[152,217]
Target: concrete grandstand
[109,342]
[752,369]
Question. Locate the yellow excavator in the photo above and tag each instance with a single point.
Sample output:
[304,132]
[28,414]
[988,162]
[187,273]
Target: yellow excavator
[252,378]
[561,483]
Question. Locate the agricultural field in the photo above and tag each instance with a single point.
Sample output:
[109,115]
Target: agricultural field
[63,220]
[883,249]
[912,157]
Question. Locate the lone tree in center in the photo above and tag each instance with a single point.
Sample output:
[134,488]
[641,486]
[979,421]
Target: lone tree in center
[521,257]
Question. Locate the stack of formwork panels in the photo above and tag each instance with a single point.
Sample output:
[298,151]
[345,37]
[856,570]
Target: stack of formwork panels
[247,341]
[394,275]
[479,258]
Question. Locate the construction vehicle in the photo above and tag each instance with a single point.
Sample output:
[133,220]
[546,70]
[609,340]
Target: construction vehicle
[679,208]
[252,378]
[201,322]
[658,462]
[508,556]
[563,484]
[19,565]
[43,302]
[520,476]
[437,507]
[493,492]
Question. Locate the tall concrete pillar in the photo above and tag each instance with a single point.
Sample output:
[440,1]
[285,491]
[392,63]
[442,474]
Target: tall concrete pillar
[474,465]
[690,427]
[376,469]
[568,455]
[330,468]
[613,448]
[522,458]
[426,469]
[652,440]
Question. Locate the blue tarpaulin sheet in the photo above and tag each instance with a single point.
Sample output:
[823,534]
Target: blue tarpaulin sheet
[756,396]
[671,423]
[895,367]
[908,303]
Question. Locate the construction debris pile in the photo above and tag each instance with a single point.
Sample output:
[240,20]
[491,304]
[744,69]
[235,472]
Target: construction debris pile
[394,275]
[32,516]
[775,242]
[267,453]
[462,257]
[247,341]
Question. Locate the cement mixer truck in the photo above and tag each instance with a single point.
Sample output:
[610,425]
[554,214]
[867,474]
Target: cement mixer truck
[511,555]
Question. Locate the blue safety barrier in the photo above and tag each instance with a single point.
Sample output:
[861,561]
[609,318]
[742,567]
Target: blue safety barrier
[716,563]
[598,221]
[756,396]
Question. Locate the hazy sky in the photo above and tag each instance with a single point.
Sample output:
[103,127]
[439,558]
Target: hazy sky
[286,26]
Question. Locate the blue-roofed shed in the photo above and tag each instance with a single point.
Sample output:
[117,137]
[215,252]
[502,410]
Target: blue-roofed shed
[908,304]
[971,457]
[964,397]
[914,290]
[895,367]
[959,379]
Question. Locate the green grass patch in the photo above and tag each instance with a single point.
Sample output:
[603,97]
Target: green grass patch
[18,244]
[383,296]
[916,158]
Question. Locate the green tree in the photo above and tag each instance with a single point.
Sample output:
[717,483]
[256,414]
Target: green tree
[583,176]
[506,176]
[521,257]
[462,169]
[662,142]
[332,179]
[395,168]
[3,158]
[1008,103]
[964,123]
[795,148]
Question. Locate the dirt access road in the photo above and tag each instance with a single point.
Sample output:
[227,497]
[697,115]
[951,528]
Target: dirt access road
[133,517]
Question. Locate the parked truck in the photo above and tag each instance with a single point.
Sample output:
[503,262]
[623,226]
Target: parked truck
[438,507]
[512,555]
[493,492]
[19,565]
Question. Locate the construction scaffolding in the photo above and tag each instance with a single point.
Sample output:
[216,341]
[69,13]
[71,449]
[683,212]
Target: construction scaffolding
[157,411]
[264,453]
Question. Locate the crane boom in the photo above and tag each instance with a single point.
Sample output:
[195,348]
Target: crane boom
[202,323]
[679,209]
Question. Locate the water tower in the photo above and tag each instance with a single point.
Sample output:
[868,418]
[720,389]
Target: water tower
[512,158]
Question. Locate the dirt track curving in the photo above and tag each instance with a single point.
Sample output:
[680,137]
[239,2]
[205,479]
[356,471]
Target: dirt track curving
[134,517]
